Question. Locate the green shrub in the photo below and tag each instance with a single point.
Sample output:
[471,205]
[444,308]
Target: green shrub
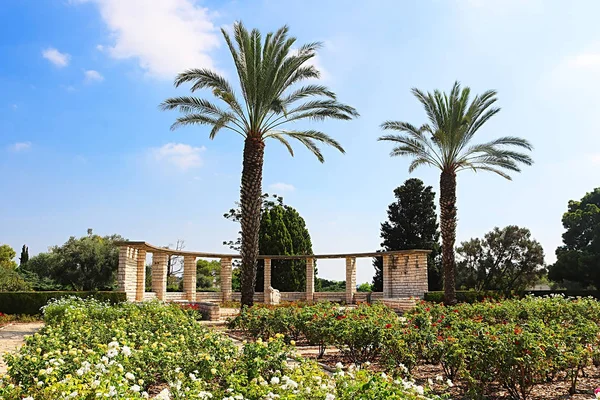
[10,280]
[30,303]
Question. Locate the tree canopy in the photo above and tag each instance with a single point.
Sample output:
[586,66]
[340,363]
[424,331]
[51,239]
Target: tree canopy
[578,259]
[505,259]
[282,232]
[7,254]
[86,263]
[411,224]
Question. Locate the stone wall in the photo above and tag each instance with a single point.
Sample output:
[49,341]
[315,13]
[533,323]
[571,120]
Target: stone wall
[127,272]
[405,276]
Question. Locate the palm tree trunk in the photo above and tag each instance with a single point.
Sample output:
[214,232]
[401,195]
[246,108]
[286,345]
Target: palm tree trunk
[250,201]
[448,228]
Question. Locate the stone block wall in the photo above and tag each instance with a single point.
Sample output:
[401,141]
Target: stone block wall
[405,275]
[189,277]
[159,275]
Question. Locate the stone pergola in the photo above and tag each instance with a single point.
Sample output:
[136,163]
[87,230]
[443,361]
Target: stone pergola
[404,276]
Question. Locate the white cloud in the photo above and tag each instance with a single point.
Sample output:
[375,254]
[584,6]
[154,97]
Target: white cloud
[99,47]
[20,146]
[578,71]
[282,187]
[182,156]
[69,88]
[56,57]
[92,76]
[14,106]
[165,37]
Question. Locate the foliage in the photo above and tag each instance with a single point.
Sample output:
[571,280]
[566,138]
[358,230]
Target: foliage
[24,255]
[6,257]
[505,259]
[30,303]
[445,143]
[325,285]
[282,232]
[578,258]
[208,273]
[90,350]
[86,263]
[411,224]
[365,287]
[268,71]
[516,343]
[11,281]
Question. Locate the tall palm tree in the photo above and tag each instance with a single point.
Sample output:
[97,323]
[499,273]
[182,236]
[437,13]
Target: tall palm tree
[268,72]
[445,143]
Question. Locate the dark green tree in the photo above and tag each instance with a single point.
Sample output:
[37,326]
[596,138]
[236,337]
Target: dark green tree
[578,259]
[282,232]
[24,255]
[271,105]
[446,143]
[505,259]
[86,263]
[412,224]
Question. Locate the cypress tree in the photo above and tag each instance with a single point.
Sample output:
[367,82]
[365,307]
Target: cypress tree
[412,224]
[24,255]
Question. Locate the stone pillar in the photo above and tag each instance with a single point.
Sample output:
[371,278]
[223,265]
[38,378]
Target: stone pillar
[189,277]
[159,275]
[386,276]
[141,276]
[267,275]
[350,279]
[310,279]
[127,271]
[226,279]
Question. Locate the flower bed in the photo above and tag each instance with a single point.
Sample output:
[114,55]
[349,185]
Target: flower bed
[512,345]
[89,350]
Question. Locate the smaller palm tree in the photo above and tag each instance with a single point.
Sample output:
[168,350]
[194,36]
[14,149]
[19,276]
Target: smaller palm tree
[445,143]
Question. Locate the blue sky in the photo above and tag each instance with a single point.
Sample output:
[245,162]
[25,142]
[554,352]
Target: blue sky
[83,144]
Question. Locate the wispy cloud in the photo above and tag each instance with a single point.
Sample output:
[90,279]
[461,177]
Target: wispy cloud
[282,187]
[56,57]
[166,36]
[19,147]
[578,71]
[183,156]
[92,76]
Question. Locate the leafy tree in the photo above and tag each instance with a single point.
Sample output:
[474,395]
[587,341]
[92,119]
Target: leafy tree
[282,232]
[208,273]
[11,281]
[326,285]
[365,287]
[268,71]
[24,255]
[445,143]
[412,224]
[86,263]
[505,259]
[6,257]
[578,259]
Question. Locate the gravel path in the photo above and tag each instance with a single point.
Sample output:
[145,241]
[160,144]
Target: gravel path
[12,337]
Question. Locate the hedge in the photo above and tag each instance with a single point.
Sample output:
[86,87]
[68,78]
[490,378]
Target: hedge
[30,303]
[471,296]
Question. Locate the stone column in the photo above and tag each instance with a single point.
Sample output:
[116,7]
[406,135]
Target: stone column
[159,275]
[350,279]
[127,271]
[189,277]
[141,276]
[226,279]
[310,279]
[386,276]
[267,275]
